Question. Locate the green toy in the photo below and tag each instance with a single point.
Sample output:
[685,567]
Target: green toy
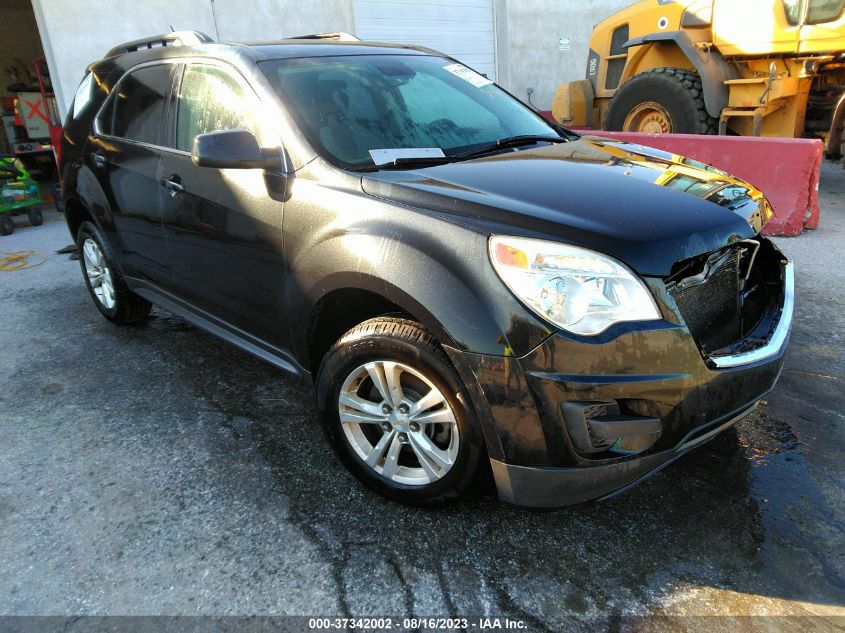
[19,194]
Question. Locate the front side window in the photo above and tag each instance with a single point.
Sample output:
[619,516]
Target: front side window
[349,105]
[211,100]
[821,11]
[139,104]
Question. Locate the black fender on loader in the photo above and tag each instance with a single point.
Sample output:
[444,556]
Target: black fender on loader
[711,67]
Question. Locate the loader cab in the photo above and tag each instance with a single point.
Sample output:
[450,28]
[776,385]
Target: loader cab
[823,28]
[774,27]
[757,27]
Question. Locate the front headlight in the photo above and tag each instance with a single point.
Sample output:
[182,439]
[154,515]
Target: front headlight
[576,289]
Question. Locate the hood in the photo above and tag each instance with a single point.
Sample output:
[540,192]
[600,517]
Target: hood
[643,206]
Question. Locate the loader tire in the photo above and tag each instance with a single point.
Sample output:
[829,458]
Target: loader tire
[663,100]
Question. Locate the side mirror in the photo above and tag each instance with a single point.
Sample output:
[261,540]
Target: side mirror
[233,149]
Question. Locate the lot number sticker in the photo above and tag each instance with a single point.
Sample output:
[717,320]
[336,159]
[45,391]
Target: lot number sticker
[468,75]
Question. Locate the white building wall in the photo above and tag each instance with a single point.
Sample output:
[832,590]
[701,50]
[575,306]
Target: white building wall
[528,32]
[268,20]
[75,34]
[464,29]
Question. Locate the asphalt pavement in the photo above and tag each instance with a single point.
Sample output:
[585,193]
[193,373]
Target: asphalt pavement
[157,470]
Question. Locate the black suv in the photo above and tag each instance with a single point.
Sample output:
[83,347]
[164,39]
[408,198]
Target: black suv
[471,288]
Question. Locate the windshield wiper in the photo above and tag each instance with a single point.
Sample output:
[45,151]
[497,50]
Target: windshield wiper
[418,161]
[513,141]
[502,143]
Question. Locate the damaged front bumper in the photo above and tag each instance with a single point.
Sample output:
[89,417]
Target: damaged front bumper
[581,418]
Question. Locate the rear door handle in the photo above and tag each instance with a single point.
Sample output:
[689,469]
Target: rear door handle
[173,184]
[98,159]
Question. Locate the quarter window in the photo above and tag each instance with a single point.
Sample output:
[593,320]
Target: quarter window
[83,95]
[139,104]
[210,100]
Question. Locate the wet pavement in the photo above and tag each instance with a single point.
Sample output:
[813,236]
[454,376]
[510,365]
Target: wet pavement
[157,470]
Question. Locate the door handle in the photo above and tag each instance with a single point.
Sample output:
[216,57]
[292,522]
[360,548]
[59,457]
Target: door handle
[173,184]
[99,160]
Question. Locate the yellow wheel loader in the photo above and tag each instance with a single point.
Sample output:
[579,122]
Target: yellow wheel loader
[746,67]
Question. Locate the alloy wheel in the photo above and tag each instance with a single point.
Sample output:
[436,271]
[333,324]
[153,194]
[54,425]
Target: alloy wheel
[398,422]
[99,274]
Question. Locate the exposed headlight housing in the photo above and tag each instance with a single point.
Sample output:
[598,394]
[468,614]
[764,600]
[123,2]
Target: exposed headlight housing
[576,289]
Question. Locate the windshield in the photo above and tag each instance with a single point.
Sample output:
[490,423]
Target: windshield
[818,11]
[821,11]
[349,106]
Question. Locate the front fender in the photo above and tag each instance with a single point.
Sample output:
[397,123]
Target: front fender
[435,269]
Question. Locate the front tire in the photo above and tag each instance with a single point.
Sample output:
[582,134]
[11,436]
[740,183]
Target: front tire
[111,295]
[661,101]
[7,226]
[397,415]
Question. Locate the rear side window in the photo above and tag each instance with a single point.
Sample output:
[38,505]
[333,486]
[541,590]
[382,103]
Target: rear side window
[210,100]
[139,104]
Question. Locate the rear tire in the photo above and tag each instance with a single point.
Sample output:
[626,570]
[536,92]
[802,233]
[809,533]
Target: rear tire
[7,227]
[36,218]
[105,284]
[663,100]
[421,454]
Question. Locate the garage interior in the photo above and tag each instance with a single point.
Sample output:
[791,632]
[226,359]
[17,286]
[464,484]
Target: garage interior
[29,110]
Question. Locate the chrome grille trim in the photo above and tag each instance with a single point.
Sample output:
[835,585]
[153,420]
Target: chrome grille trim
[780,335]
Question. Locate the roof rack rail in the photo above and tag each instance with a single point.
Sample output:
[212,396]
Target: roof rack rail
[340,35]
[176,38]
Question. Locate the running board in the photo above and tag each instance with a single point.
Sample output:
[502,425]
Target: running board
[276,356]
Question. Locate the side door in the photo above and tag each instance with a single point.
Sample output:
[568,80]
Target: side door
[824,27]
[124,154]
[223,226]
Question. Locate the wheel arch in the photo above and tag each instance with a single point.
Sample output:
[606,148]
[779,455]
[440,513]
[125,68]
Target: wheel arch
[368,298]
[351,299]
[711,66]
[75,214]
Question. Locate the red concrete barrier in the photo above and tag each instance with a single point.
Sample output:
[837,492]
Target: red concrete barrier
[786,170]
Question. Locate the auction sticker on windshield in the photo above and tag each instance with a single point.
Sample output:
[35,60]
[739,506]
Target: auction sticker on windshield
[385,156]
[468,75]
